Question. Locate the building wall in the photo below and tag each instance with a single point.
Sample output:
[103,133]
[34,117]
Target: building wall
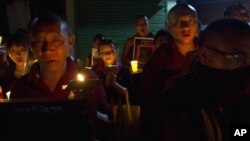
[18,13]
[115,19]
[210,10]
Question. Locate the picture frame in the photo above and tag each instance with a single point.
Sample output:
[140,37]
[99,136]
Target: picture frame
[143,49]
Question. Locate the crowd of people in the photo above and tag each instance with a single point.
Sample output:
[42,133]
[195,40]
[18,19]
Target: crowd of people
[192,87]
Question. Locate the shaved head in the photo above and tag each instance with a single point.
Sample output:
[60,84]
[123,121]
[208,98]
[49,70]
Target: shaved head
[225,44]
[181,10]
[235,34]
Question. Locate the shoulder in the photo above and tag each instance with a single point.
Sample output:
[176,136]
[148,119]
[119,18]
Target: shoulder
[168,49]
[130,39]
[150,34]
[162,54]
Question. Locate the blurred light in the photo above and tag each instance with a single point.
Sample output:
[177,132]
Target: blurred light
[80,77]
[8,94]
[1,38]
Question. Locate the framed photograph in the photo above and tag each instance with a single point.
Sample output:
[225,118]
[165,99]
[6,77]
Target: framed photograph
[95,58]
[143,49]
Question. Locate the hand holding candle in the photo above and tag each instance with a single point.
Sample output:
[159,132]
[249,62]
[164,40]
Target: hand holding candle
[81,83]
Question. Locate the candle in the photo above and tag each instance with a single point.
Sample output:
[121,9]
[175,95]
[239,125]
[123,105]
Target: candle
[80,77]
[8,94]
[134,65]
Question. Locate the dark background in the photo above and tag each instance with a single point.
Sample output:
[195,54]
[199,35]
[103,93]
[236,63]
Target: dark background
[113,18]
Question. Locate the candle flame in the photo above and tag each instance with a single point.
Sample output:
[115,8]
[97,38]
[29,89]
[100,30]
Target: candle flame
[80,77]
[8,94]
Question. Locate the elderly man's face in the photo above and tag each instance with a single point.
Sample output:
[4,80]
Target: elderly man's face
[51,46]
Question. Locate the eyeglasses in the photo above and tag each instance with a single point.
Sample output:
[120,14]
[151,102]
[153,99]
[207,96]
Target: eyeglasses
[107,52]
[244,14]
[191,20]
[239,57]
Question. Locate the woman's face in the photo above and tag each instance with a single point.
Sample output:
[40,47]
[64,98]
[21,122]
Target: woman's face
[108,54]
[18,54]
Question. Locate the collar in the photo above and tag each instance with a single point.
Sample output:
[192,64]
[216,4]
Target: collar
[70,72]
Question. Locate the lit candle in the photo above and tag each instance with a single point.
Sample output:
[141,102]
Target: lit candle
[8,95]
[80,77]
[76,83]
[1,38]
[134,65]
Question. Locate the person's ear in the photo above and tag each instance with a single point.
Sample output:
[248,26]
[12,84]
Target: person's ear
[202,54]
[71,41]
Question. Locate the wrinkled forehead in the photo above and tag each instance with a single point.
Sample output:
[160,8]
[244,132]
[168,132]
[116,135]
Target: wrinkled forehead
[47,28]
[178,13]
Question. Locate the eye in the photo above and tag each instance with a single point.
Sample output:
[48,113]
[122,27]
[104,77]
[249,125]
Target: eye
[56,39]
[190,21]
[23,50]
[193,21]
[176,22]
[11,51]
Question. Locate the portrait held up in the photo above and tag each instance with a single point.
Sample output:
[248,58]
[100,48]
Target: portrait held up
[142,30]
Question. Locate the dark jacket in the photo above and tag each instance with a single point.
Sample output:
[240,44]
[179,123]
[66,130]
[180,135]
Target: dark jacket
[32,86]
[201,105]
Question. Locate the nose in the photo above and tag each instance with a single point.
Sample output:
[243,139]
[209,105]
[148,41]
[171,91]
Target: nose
[46,47]
[107,54]
[18,53]
[184,24]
